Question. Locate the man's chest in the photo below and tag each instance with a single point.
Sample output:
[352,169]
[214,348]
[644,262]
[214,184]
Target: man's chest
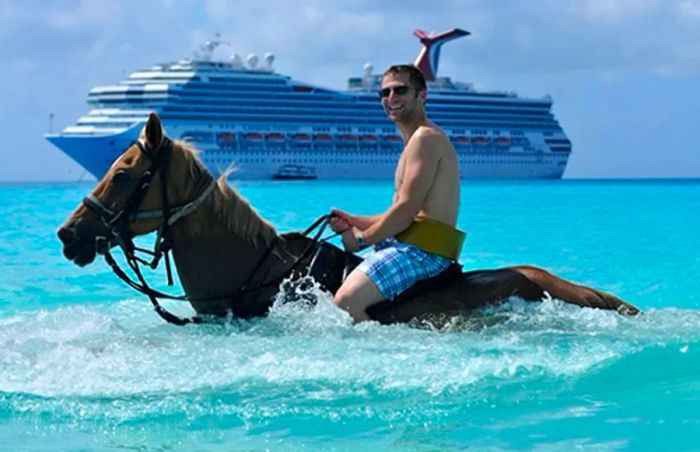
[400,170]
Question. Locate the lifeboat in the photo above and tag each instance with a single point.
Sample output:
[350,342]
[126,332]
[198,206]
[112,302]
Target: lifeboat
[323,137]
[226,139]
[253,136]
[503,141]
[368,138]
[301,137]
[346,137]
[392,138]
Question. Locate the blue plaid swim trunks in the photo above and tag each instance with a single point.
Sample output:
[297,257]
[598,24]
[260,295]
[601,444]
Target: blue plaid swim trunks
[395,266]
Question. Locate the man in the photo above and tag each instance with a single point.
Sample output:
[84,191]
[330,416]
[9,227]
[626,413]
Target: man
[426,188]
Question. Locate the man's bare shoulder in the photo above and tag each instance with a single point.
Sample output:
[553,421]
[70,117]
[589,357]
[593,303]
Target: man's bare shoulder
[428,137]
[429,131]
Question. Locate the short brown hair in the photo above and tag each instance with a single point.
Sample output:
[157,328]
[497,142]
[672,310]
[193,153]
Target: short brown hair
[414,74]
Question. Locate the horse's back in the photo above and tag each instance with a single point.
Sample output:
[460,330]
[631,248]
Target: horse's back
[452,293]
[462,294]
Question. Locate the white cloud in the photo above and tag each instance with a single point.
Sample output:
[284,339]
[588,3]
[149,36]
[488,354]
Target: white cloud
[617,10]
[86,14]
[689,9]
[508,36]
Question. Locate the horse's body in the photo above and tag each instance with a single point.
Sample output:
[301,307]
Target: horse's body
[230,259]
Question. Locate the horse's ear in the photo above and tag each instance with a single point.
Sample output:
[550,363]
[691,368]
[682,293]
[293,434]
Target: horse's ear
[154,130]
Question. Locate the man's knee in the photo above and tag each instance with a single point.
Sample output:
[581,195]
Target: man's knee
[356,294]
[346,296]
[341,298]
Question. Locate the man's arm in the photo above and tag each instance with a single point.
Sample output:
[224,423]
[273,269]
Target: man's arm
[421,164]
[344,220]
[361,222]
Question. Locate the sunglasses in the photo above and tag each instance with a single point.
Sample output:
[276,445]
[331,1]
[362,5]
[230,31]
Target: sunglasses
[398,90]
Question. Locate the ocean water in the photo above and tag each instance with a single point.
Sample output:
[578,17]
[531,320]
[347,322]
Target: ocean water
[85,364]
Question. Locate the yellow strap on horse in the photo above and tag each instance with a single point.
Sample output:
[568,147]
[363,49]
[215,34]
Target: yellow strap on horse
[434,237]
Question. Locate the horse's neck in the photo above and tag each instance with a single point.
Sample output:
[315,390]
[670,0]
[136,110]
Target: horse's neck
[213,262]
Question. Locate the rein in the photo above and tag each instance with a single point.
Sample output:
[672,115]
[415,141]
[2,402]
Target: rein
[117,223]
[321,221]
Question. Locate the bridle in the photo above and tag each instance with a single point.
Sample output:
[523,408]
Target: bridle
[118,222]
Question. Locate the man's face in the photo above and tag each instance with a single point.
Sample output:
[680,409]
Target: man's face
[399,98]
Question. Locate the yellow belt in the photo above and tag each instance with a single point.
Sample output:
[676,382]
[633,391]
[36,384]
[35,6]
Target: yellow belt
[434,237]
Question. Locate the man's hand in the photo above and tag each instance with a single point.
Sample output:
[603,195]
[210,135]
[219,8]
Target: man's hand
[340,221]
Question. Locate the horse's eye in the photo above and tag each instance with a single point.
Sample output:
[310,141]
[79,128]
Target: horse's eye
[121,176]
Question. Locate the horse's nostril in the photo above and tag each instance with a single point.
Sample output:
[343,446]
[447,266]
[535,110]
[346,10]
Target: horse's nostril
[66,235]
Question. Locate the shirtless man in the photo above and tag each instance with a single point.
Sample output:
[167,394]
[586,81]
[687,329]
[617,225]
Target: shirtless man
[426,183]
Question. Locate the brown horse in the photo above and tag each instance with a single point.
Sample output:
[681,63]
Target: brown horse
[231,260]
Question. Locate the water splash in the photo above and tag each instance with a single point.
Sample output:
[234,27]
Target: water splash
[306,367]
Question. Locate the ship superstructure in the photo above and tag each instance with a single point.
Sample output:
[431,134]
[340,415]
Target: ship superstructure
[269,125]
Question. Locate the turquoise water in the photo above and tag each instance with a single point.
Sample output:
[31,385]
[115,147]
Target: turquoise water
[86,365]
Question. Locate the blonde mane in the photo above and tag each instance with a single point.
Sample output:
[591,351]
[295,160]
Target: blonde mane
[234,211]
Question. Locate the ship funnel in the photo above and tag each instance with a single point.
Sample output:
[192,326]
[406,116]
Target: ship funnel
[429,55]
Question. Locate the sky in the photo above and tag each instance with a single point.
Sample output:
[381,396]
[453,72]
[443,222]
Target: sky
[624,74]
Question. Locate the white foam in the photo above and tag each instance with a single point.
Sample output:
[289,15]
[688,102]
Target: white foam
[124,349]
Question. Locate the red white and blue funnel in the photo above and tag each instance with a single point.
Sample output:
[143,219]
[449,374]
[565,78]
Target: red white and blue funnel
[429,55]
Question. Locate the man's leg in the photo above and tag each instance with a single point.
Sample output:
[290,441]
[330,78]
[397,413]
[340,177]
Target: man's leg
[357,293]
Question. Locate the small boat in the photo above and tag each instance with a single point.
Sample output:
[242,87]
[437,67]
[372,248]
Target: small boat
[195,136]
[295,172]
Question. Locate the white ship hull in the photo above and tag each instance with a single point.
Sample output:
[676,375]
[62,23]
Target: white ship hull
[97,152]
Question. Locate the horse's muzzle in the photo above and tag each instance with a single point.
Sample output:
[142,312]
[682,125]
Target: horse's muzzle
[66,235]
[74,249]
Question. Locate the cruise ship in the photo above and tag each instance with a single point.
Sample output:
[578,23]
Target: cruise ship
[267,125]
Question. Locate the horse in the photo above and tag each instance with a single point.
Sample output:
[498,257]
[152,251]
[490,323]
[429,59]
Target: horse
[231,261]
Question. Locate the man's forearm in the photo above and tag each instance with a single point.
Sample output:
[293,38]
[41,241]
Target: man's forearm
[364,222]
[396,219]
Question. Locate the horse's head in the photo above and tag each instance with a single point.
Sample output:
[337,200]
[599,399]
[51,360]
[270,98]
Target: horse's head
[131,187]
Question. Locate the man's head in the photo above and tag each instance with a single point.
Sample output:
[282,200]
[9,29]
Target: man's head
[403,92]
